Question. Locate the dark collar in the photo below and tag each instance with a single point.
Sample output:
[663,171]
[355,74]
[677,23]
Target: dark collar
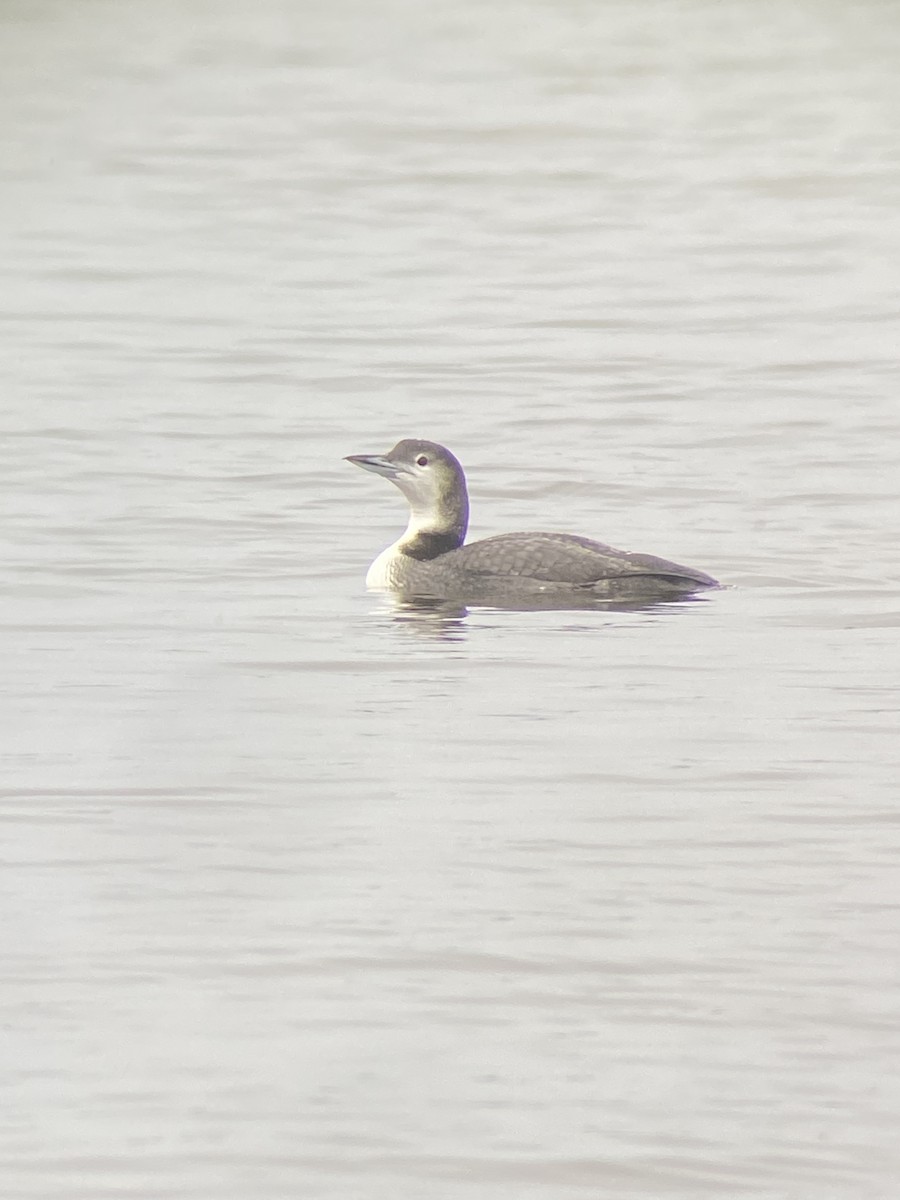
[429,544]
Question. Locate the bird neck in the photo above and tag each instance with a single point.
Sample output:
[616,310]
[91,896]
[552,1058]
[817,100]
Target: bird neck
[432,533]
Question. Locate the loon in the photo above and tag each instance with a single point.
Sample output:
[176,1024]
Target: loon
[430,560]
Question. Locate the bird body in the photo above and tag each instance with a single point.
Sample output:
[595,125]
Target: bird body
[430,559]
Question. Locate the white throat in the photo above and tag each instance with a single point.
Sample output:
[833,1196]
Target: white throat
[384,570]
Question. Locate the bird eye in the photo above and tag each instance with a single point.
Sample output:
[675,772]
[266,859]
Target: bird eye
[422,460]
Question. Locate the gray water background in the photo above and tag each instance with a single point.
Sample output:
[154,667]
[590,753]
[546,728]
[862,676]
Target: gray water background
[304,896]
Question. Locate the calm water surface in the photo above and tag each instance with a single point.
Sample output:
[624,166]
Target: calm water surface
[307,896]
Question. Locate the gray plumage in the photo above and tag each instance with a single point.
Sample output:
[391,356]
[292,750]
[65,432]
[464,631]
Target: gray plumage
[430,560]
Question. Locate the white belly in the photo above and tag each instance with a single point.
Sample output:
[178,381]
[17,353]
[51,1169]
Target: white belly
[382,572]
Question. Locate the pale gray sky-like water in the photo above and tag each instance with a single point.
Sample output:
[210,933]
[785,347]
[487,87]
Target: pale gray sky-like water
[305,895]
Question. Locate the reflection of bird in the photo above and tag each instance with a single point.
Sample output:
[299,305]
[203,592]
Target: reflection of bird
[513,568]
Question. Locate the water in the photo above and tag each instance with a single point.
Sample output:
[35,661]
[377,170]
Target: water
[307,896]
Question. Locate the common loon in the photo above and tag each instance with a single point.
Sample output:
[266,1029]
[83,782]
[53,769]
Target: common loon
[430,560]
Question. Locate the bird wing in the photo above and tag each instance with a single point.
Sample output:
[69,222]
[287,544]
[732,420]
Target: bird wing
[561,558]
